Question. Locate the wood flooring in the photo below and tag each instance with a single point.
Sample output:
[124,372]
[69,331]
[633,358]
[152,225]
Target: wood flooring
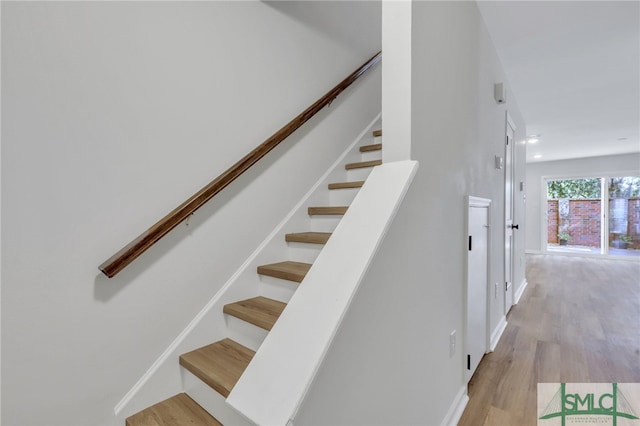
[577,322]
[219,364]
[259,311]
[177,410]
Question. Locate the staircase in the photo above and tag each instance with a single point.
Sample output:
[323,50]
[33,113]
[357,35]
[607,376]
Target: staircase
[219,365]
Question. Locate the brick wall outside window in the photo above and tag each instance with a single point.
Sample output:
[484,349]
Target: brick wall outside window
[634,222]
[552,218]
[582,222]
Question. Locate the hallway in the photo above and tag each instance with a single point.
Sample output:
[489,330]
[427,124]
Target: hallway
[578,321]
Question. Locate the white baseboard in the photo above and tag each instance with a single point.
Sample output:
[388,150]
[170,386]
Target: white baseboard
[457,408]
[520,291]
[497,333]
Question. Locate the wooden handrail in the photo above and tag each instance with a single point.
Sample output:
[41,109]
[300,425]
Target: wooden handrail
[135,248]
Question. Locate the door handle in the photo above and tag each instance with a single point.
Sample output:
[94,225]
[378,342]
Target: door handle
[515,226]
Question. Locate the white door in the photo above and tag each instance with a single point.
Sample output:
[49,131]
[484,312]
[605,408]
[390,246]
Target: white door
[508,216]
[477,284]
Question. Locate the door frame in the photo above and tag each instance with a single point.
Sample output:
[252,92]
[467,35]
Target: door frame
[472,201]
[510,169]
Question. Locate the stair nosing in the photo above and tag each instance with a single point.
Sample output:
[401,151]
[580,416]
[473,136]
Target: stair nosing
[370,148]
[346,185]
[308,237]
[235,309]
[179,401]
[363,164]
[198,369]
[327,211]
[279,270]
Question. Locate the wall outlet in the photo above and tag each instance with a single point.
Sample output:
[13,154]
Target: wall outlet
[452,343]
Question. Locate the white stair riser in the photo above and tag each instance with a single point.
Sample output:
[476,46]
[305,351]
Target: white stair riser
[321,223]
[245,333]
[371,155]
[343,196]
[276,288]
[303,252]
[211,401]
[358,174]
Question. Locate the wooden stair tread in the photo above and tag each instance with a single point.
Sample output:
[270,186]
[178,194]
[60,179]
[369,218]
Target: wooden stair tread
[377,133]
[259,311]
[219,364]
[362,164]
[372,147]
[308,237]
[292,271]
[335,210]
[342,185]
[177,410]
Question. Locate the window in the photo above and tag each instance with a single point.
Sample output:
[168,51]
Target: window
[624,215]
[576,208]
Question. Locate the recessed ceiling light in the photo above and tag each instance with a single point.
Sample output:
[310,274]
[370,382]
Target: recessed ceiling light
[537,156]
[533,138]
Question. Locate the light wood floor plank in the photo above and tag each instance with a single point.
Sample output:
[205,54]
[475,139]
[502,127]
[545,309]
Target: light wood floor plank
[497,416]
[177,410]
[219,364]
[578,321]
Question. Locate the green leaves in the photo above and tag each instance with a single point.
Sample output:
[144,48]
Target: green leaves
[574,189]
[624,187]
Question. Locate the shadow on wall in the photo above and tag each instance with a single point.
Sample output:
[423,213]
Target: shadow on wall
[341,21]
[106,288]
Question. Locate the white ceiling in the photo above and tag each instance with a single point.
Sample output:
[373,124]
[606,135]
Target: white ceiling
[574,69]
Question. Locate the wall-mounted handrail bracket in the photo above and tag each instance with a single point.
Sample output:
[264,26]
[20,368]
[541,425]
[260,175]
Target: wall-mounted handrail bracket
[135,248]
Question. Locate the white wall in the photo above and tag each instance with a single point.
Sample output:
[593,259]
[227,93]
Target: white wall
[396,80]
[580,167]
[113,113]
[389,362]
